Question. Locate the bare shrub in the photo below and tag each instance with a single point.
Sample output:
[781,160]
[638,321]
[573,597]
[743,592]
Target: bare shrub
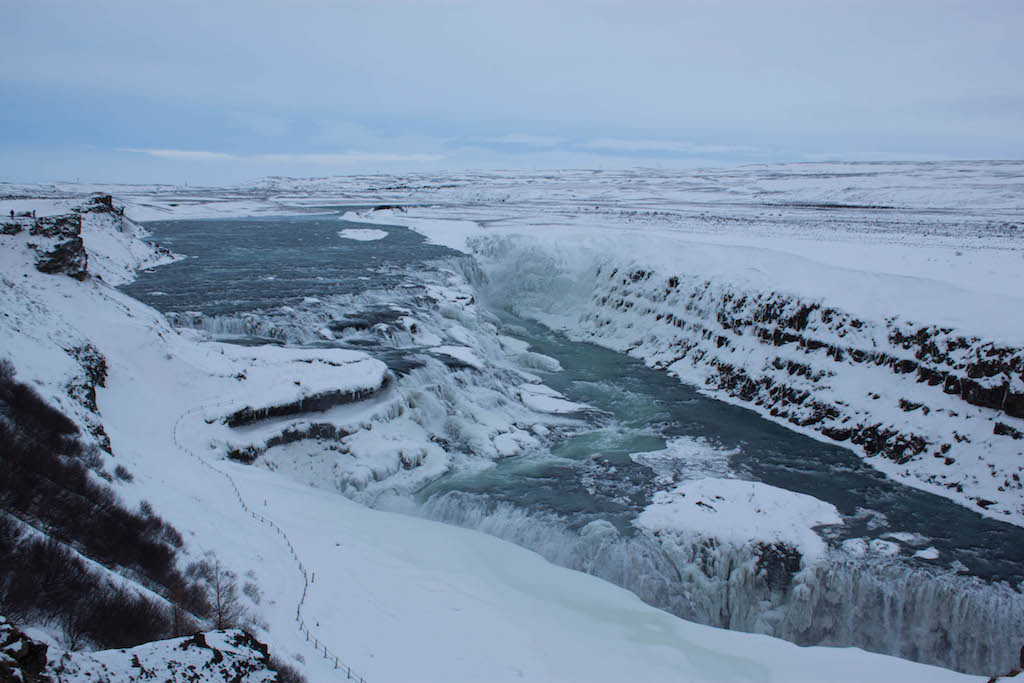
[122,473]
[226,610]
[253,592]
[45,482]
[286,673]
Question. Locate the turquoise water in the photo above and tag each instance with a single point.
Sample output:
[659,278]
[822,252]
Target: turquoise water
[251,264]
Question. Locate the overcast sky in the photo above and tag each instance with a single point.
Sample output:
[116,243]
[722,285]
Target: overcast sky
[226,90]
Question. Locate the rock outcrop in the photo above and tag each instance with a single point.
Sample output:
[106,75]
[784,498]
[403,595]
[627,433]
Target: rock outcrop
[228,655]
[21,658]
[63,250]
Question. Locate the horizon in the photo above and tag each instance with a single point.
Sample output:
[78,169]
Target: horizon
[677,170]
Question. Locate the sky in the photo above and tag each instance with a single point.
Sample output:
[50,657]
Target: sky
[224,91]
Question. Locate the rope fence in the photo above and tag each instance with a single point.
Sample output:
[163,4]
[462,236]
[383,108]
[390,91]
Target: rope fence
[320,648]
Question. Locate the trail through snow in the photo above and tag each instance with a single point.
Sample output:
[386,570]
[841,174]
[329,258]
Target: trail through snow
[320,647]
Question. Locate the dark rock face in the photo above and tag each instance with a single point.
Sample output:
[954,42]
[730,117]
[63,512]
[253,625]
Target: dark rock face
[310,404]
[101,203]
[66,253]
[1007,430]
[83,388]
[316,431]
[68,225]
[66,257]
[21,658]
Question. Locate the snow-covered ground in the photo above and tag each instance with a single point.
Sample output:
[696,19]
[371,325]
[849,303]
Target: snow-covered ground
[399,598]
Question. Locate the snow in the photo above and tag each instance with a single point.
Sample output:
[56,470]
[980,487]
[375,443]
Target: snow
[883,547]
[453,234]
[741,512]
[209,657]
[362,234]
[117,248]
[484,609]
[686,458]
[514,442]
[312,374]
[460,353]
[546,400]
[400,598]
[906,537]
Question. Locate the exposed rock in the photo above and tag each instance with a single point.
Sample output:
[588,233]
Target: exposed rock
[100,203]
[1007,430]
[316,403]
[21,658]
[82,389]
[66,257]
[63,251]
[230,655]
[67,225]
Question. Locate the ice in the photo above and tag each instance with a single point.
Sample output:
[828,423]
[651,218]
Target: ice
[546,400]
[686,458]
[362,234]
[461,353]
[883,547]
[447,233]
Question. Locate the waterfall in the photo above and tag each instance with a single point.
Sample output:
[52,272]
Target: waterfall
[886,606]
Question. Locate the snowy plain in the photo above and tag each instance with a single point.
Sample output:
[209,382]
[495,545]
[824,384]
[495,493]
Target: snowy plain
[403,598]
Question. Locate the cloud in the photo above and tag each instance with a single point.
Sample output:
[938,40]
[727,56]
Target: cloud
[351,157]
[344,158]
[521,139]
[260,124]
[666,146]
[179,154]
